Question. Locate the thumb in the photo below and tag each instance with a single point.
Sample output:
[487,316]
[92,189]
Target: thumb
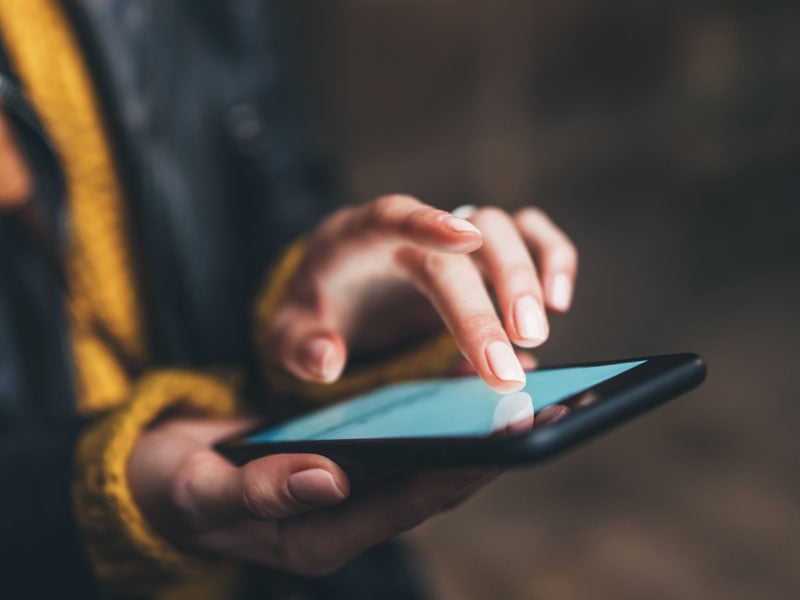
[270,488]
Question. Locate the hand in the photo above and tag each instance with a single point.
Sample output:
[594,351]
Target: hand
[262,512]
[380,275]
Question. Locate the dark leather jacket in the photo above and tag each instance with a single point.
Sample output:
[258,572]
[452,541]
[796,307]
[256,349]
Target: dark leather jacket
[220,172]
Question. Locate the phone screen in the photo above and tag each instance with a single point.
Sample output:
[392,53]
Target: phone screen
[449,407]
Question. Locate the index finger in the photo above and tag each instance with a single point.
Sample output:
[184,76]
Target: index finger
[404,218]
[555,255]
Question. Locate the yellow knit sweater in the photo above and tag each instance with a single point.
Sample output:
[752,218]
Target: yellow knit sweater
[118,384]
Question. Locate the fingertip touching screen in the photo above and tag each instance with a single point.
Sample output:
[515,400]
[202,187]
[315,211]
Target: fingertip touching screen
[443,408]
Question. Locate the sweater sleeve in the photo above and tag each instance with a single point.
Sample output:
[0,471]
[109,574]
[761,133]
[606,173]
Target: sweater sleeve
[427,359]
[42,551]
[126,554]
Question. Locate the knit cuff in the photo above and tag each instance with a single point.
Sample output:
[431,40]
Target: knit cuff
[127,554]
[427,359]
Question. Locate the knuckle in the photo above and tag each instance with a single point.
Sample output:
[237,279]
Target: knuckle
[391,200]
[425,268]
[433,264]
[517,273]
[533,214]
[565,254]
[416,218]
[345,213]
[478,326]
[490,214]
[253,496]
[401,213]
[375,214]
[338,219]
[260,498]
[383,207]
[436,271]
[331,228]
[187,485]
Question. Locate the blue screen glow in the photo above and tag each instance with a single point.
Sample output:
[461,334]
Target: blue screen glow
[441,407]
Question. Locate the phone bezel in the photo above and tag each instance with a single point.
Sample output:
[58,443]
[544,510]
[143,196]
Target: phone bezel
[657,380]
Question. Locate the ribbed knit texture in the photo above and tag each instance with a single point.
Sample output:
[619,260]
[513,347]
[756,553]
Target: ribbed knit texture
[126,553]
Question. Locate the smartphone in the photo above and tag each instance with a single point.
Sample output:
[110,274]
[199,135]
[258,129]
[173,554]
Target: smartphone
[463,422]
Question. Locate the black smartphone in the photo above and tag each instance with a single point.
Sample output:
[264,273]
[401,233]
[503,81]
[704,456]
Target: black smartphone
[463,422]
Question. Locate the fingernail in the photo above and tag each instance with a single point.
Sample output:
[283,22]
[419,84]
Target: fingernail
[530,319]
[551,413]
[561,296]
[321,360]
[524,414]
[503,362]
[315,486]
[460,225]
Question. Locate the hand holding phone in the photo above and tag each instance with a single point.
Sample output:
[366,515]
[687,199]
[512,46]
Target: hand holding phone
[291,512]
[289,505]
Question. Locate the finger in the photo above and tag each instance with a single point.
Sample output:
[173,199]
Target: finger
[527,360]
[319,543]
[555,254]
[307,333]
[507,263]
[551,413]
[407,219]
[202,430]
[464,369]
[455,288]
[305,340]
[210,492]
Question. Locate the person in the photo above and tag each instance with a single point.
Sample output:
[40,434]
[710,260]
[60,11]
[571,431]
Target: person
[155,165]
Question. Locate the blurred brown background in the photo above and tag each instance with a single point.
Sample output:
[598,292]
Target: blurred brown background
[665,137]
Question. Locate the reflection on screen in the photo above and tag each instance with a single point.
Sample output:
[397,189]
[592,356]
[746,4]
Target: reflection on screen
[441,408]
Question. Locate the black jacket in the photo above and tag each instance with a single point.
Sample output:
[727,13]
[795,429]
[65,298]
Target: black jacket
[220,171]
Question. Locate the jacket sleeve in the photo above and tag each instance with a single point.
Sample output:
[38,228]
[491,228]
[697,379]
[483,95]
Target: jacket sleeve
[429,358]
[41,550]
